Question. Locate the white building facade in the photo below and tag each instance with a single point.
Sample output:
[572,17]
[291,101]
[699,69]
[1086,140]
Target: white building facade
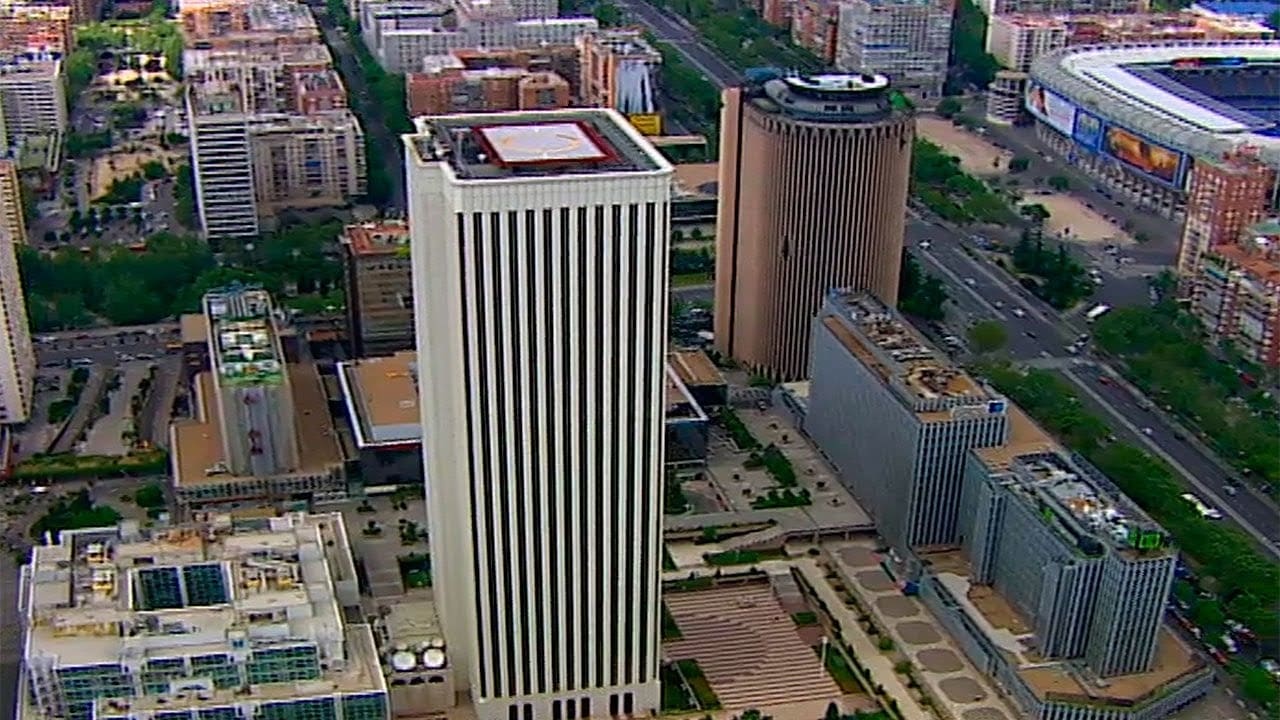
[907,40]
[17,356]
[540,282]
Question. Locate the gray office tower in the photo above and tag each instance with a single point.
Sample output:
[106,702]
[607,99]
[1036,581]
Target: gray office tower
[1073,554]
[895,417]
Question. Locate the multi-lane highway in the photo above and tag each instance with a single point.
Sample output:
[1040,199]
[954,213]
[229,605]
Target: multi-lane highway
[675,31]
[980,290]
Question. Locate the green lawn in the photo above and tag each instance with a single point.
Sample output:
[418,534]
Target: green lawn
[805,619]
[840,671]
[707,699]
[691,279]
[744,557]
[670,630]
[675,696]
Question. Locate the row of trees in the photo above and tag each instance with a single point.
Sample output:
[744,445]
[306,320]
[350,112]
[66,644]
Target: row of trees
[920,294]
[1245,583]
[738,33]
[951,193]
[72,288]
[1051,273]
[971,65]
[1167,355]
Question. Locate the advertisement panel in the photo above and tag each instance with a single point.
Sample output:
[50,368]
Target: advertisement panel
[1088,130]
[1053,109]
[1155,161]
[647,123]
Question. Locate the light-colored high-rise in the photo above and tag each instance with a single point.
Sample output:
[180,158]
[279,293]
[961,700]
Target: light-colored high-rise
[12,223]
[17,357]
[908,40]
[540,281]
[813,191]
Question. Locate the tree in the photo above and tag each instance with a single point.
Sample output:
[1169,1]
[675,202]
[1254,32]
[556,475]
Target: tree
[149,496]
[1019,164]
[833,712]
[50,237]
[988,336]
[607,14]
[971,65]
[1035,212]
[947,108]
[154,170]
[1059,183]
[1260,687]
[919,293]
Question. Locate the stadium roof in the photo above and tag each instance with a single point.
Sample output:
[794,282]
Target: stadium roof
[1094,77]
[1243,8]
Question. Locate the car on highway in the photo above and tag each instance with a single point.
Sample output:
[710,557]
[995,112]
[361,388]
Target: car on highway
[1200,507]
[1146,431]
[80,362]
[925,244]
[970,282]
[1019,312]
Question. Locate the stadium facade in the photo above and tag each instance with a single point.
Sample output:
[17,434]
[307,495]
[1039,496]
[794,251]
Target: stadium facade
[1141,117]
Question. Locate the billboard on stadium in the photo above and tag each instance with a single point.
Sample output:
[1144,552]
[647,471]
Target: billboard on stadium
[1055,110]
[1088,130]
[1156,161]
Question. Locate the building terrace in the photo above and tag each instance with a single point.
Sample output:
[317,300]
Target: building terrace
[245,348]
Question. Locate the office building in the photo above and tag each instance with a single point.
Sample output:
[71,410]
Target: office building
[813,191]
[1235,291]
[222,165]
[1005,97]
[906,40]
[540,250]
[261,430]
[28,32]
[814,26]
[896,418]
[379,285]
[1059,587]
[620,70]
[1224,197]
[229,617]
[17,355]
[1085,565]
[446,87]
[33,100]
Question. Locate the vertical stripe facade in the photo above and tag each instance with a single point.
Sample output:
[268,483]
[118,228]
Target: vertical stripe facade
[542,338]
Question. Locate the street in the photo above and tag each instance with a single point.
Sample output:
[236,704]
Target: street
[675,31]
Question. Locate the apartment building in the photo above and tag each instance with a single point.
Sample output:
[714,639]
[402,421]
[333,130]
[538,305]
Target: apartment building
[1016,40]
[247,24]
[234,618]
[33,100]
[28,32]
[1058,588]
[17,354]
[448,86]
[906,40]
[561,60]
[379,285]
[401,33]
[1235,291]
[620,70]
[814,25]
[1224,197]
[307,161]
[270,136]
[261,430]
[778,13]
[896,418]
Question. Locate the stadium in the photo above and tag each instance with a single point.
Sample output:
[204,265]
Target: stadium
[1139,117]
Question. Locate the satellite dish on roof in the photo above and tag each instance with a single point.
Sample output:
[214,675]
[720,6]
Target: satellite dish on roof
[403,661]
[433,659]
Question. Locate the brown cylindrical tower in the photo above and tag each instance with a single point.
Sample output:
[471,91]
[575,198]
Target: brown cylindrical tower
[813,191]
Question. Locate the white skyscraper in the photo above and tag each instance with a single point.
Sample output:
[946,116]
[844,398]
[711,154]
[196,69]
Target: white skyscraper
[17,357]
[540,282]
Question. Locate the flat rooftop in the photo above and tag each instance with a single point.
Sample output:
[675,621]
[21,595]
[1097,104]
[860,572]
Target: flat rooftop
[680,403]
[887,344]
[197,443]
[381,237]
[1062,680]
[694,368]
[1025,438]
[28,71]
[1260,266]
[697,178]
[381,395]
[554,143]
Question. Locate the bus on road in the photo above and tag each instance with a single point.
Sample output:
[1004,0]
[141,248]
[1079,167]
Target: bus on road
[1097,312]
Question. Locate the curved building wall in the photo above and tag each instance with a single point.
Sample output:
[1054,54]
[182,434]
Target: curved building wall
[804,207]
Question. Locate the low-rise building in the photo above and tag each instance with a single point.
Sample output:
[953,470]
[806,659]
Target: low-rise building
[421,678]
[379,285]
[261,432]
[234,618]
[33,100]
[1235,291]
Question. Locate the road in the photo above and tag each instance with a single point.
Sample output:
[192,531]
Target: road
[675,31]
[981,290]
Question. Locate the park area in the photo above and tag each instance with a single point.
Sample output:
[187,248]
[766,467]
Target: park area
[1070,219]
[118,167]
[977,155]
